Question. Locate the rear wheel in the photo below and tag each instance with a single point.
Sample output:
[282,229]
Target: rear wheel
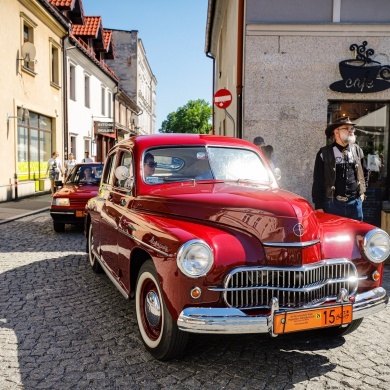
[342,330]
[159,332]
[96,267]
[58,227]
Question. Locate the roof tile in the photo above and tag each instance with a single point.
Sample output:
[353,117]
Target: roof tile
[90,28]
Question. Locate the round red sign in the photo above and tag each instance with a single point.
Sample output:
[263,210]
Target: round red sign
[222,98]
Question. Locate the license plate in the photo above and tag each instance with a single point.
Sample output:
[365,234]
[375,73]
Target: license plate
[79,213]
[295,321]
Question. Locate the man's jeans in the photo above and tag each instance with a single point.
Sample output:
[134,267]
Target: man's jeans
[351,209]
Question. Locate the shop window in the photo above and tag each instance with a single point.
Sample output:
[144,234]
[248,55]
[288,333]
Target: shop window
[34,146]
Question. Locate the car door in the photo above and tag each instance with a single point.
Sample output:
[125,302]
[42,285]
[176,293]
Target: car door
[112,212]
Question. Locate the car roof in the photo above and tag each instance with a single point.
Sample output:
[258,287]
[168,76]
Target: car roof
[182,139]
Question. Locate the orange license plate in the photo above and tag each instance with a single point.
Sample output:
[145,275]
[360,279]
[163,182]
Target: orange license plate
[295,321]
[79,213]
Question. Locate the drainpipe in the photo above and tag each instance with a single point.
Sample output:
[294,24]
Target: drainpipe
[212,97]
[65,89]
[239,86]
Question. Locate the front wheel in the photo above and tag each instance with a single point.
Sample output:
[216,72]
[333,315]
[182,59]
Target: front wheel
[58,227]
[342,330]
[159,332]
[96,267]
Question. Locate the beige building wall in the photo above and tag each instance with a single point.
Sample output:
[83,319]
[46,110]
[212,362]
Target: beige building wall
[288,71]
[32,90]
[226,66]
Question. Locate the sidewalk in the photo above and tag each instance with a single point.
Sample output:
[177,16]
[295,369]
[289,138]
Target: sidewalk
[9,211]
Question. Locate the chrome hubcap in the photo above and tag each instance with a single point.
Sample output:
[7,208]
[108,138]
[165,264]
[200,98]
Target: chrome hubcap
[152,309]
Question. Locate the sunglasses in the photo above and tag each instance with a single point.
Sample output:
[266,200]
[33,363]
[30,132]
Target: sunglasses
[151,164]
[352,129]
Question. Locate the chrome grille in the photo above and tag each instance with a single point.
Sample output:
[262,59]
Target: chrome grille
[308,285]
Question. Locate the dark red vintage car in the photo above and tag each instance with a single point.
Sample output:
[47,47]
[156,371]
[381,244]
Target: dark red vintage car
[69,200]
[196,229]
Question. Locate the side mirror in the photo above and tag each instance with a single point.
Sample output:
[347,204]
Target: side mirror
[122,173]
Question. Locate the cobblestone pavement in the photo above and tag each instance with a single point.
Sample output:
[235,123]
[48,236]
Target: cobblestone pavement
[63,327]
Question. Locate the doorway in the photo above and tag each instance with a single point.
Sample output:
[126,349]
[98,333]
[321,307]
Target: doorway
[372,135]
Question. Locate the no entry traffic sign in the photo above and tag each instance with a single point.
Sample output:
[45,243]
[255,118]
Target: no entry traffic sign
[222,98]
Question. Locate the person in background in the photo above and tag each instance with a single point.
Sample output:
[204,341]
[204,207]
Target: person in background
[340,173]
[54,169]
[259,141]
[69,164]
[87,174]
[86,158]
[268,151]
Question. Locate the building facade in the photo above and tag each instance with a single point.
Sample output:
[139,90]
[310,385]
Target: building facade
[31,79]
[135,78]
[293,66]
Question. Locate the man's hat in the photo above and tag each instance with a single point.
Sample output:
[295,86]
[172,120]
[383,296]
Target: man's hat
[258,141]
[337,123]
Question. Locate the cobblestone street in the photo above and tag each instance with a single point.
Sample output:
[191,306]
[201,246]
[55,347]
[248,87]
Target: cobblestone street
[64,327]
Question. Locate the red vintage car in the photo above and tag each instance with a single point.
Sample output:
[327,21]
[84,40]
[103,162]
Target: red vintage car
[197,230]
[69,200]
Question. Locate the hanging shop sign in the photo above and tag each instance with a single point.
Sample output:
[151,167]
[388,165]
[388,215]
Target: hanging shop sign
[105,127]
[362,74]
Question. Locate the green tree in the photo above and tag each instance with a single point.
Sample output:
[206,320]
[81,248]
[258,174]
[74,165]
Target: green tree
[194,117]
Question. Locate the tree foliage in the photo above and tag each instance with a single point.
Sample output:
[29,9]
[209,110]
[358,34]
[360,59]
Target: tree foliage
[194,117]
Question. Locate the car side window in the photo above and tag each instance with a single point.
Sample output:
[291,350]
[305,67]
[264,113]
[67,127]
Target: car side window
[108,173]
[126,160]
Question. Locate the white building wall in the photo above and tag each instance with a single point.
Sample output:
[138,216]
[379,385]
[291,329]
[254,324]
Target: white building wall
[81,118]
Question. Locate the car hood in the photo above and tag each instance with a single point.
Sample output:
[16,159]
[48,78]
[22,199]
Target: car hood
[272,215]
[75,190]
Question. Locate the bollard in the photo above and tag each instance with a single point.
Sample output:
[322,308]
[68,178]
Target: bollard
[16,187]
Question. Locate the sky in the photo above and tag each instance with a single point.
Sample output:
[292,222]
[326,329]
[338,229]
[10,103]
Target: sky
[173,35]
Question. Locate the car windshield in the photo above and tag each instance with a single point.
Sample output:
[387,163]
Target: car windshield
[85,174]
[203,163]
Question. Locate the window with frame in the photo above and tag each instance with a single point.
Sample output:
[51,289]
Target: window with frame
[87,90]
[72,82]
[55,64]
[103,101]
[28,36]
[109,104]
[34,146]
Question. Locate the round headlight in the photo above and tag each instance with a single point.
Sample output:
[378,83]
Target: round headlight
[377,245]
[195,258]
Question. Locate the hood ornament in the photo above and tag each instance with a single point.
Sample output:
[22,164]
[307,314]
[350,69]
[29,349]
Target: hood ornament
[298,230]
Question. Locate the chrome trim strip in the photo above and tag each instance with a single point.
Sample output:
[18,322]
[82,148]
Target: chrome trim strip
[370,302]
[110,276]
[63,212]
[143,243]
[233,321]
[292,244]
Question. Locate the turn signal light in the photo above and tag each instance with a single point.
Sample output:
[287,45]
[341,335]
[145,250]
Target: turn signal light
[375,276]
[196,292]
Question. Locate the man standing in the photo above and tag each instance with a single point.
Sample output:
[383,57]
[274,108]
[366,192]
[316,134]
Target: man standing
[340,174]
[86,158]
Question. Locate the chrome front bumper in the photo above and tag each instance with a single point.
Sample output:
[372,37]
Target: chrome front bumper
[231,320]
